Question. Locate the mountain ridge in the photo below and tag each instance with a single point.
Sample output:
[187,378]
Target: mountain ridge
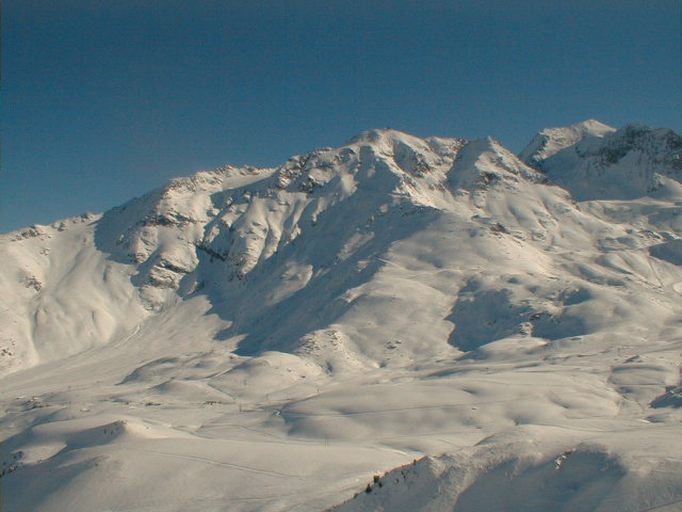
[242,216]
[366,305]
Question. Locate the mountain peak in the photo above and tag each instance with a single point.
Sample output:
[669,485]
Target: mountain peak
[380,134]
[632,162]
[593,126]
[550,141]
[485,162]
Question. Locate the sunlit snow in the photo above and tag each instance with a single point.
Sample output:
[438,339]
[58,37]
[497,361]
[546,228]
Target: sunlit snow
[425,324]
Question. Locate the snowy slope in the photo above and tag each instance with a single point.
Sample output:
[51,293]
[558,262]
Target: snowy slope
[517,471]
[269,339]
[550,141]
[629,163]
[62,296]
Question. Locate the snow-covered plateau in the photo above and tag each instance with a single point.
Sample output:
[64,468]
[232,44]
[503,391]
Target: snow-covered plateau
[398,324]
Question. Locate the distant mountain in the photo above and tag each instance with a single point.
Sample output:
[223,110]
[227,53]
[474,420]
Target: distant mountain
[372,294]
[550,141]
[594,161]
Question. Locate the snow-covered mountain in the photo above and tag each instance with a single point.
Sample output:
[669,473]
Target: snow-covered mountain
[550,141]
[593,161]
[269,339]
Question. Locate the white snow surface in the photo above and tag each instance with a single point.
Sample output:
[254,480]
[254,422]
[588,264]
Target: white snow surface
[458,327]
[550,141]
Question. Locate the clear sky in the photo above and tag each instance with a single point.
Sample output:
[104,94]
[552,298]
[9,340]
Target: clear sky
[104,100]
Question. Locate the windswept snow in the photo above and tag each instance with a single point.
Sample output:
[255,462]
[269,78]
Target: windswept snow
[272,339]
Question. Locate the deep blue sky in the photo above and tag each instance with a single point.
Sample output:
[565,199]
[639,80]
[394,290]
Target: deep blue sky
[103,100]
